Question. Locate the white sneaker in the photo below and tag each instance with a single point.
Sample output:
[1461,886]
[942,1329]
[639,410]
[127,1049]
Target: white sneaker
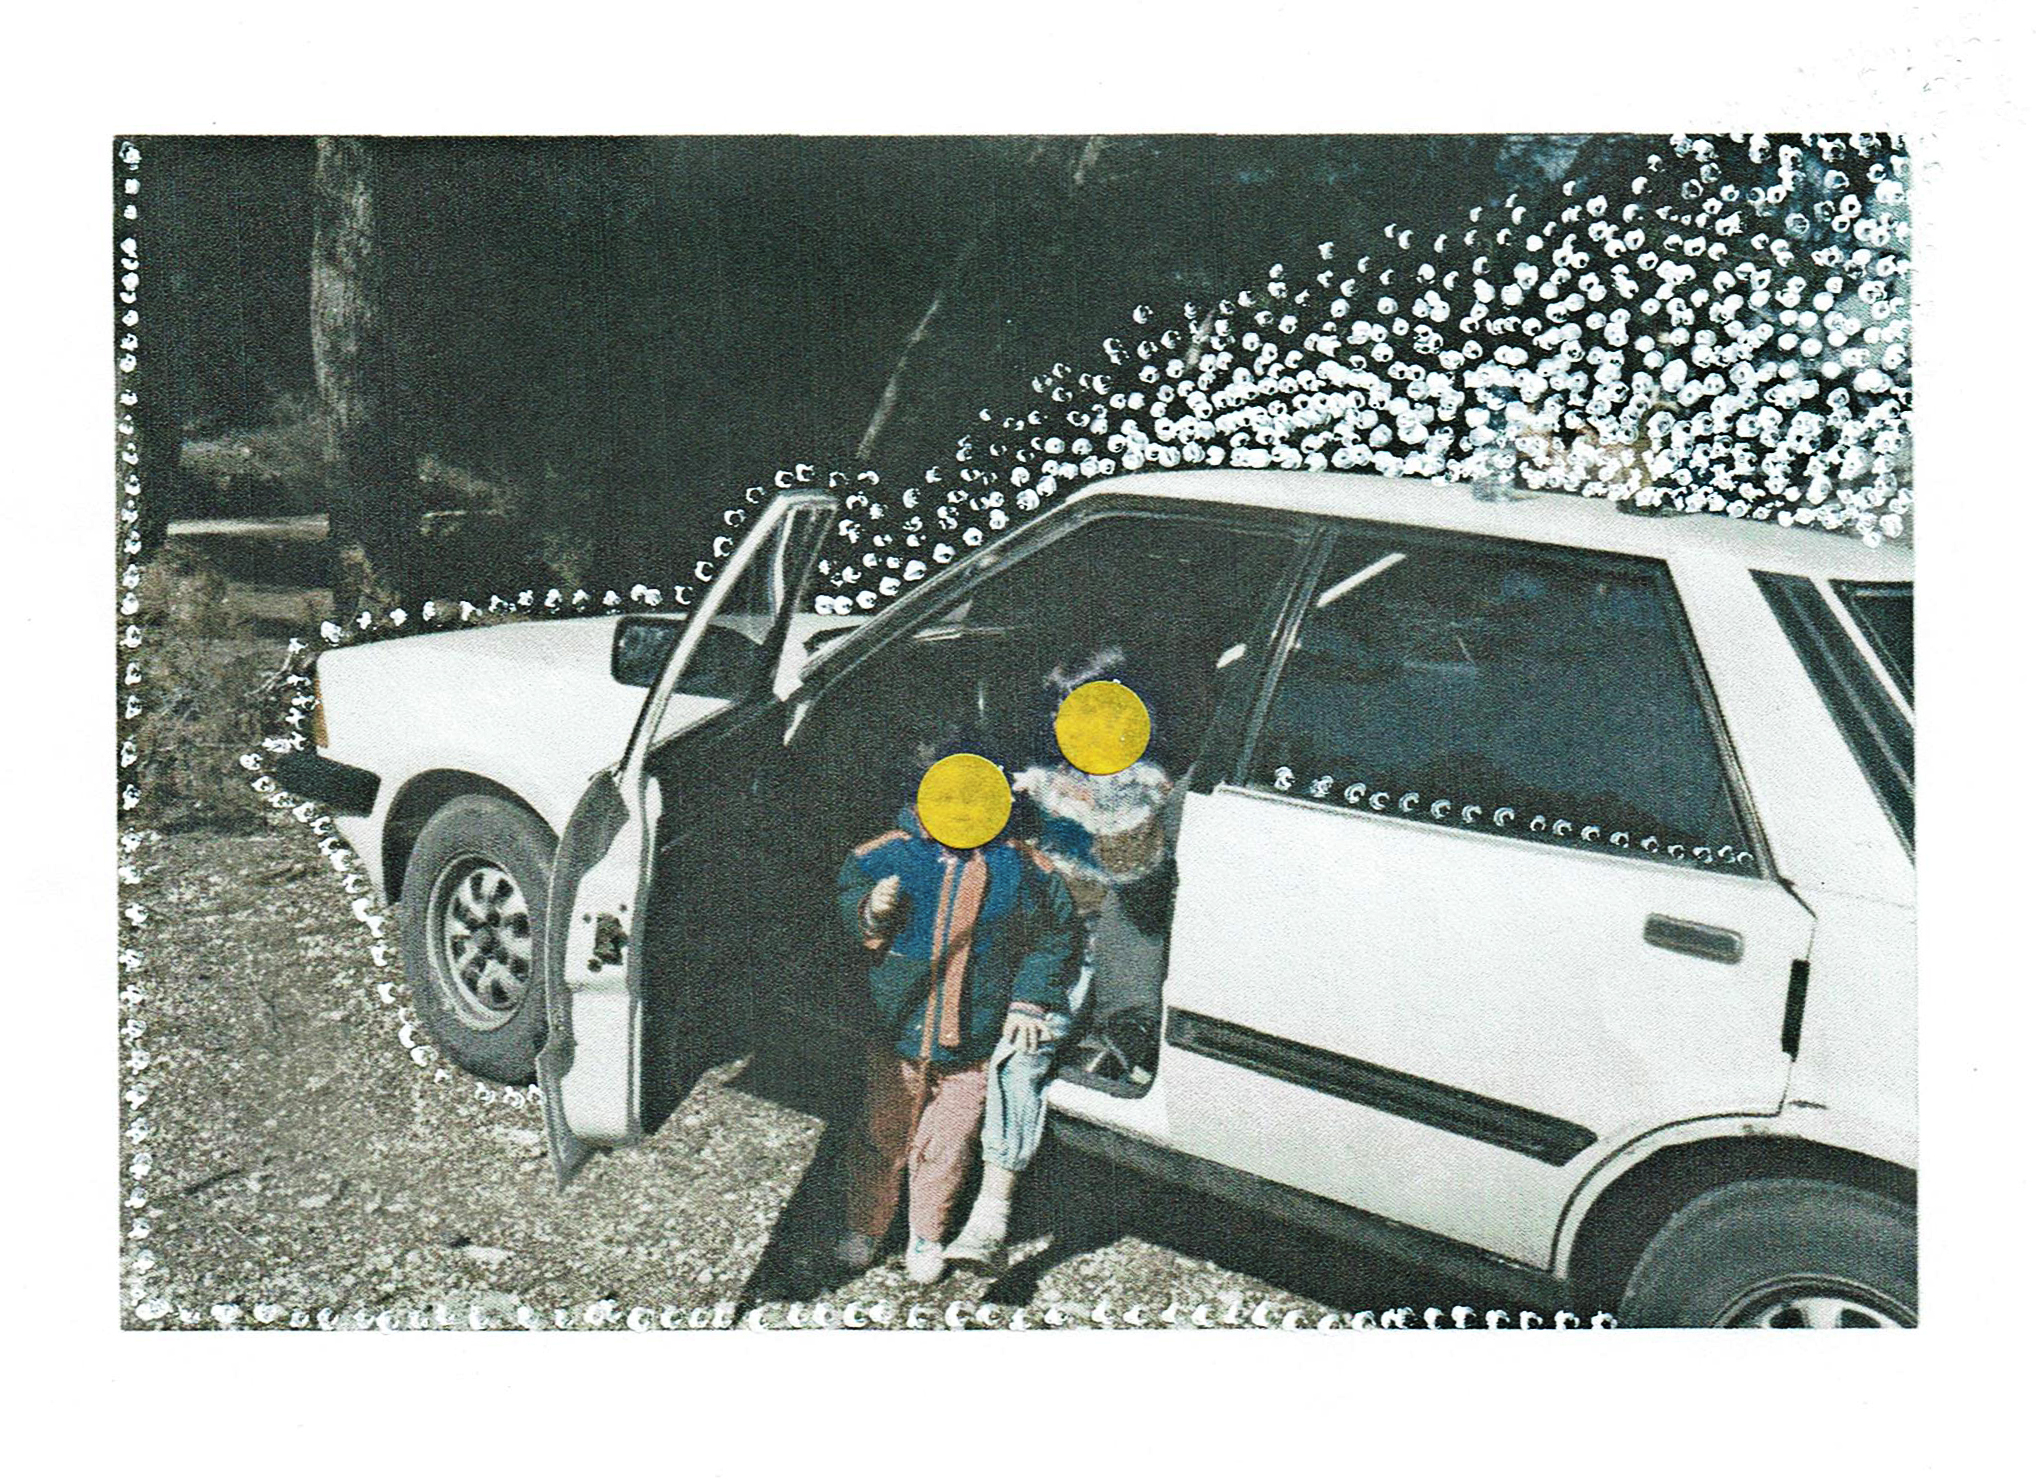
[925,1261]
[981,1240]
[856,1251]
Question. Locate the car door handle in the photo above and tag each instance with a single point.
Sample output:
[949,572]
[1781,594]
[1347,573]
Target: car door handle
[1688,937]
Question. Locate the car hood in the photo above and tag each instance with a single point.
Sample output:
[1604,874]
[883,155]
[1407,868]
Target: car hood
[571,642]
[530,705]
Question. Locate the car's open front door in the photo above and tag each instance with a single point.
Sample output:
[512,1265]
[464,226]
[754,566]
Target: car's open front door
[602,1045]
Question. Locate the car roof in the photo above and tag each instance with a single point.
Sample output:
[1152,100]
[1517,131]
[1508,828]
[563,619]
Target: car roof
[1545,518]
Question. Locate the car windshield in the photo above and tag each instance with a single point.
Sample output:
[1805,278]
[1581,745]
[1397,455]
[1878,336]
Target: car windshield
[1886,614]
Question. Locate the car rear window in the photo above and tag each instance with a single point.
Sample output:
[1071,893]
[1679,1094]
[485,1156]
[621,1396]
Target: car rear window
[1882,737]
[1887,615]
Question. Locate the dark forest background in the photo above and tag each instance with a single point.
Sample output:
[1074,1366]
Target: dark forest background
[588,347]
[393,375]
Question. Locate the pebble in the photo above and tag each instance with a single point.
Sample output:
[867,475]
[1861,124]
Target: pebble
[640,1225]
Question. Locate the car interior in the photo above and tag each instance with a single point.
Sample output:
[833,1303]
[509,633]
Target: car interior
[1167,606]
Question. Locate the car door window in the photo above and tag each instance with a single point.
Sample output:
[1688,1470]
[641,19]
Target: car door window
[1180,601]
[1497,689]
[739,649]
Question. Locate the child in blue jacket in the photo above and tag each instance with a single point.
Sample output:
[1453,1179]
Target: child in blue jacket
[967,948]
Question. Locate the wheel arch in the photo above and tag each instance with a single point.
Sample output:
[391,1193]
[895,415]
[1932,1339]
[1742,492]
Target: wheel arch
[1599,1250]
[421,797]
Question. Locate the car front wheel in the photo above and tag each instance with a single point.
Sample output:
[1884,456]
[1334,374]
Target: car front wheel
[474,902]
[1781,1253]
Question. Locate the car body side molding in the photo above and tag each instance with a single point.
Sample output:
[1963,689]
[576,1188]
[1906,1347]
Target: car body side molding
[1458,1111]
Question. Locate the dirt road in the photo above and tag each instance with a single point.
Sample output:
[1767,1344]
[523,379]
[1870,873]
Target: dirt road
[301,1168]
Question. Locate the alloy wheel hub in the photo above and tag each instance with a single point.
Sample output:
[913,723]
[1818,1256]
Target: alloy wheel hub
[1818,1307]
[481,929]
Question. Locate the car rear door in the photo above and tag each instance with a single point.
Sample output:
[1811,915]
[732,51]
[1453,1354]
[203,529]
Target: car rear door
[605,1045]
[1482,892]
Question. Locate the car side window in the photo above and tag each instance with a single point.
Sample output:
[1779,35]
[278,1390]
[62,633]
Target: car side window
[1501,690]
[1881,736]
[1172,605]
[736,654]
[1886,613]
[1166,602]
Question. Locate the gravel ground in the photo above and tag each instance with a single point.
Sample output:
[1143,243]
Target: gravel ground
[289,1163]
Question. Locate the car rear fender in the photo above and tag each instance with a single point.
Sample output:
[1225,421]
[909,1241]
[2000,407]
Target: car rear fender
[1630,1193]
[1630,1154]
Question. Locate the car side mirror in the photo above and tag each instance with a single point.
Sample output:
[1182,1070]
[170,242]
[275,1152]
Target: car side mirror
[641,646]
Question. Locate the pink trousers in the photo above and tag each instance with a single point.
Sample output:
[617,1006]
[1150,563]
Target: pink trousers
[920,1123]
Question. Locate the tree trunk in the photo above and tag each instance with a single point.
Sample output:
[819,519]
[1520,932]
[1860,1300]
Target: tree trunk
[951,357]
[887,404]
[371,474]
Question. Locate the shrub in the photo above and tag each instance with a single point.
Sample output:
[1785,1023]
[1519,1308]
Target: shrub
[205,698]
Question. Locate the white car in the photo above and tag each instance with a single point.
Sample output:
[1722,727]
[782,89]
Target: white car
[1545,902]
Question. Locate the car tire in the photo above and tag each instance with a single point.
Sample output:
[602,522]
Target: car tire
[473,911]
[1779,1252]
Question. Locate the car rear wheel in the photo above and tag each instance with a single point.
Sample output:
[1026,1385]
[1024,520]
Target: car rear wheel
[1781,1253]
[473,913]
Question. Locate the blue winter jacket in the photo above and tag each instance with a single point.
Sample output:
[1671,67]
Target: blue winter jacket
[978,931]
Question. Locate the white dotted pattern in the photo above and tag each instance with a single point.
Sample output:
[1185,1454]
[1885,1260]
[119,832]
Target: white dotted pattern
[1681,344]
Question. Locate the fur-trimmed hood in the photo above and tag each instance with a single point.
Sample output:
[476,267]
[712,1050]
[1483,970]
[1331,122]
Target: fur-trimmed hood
[1104,830]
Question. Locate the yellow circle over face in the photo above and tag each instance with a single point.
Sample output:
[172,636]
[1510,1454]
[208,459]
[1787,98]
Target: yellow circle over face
[964,800]
[1102,727]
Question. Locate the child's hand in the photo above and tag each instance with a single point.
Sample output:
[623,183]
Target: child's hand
[1023,1031]
[883,901]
